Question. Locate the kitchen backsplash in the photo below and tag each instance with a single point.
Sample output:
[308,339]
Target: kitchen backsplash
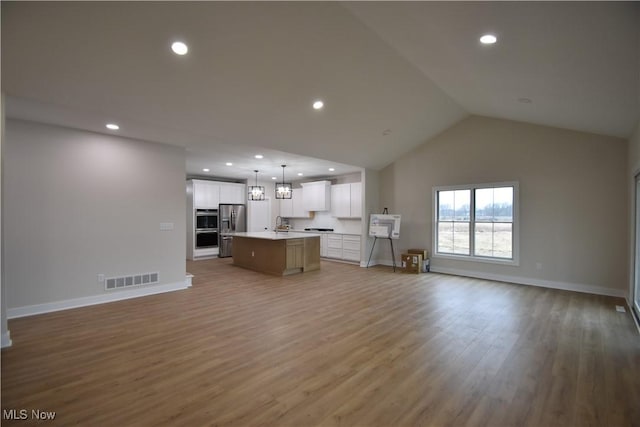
[325,220]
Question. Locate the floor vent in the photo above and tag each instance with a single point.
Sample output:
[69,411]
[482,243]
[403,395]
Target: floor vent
[111,283]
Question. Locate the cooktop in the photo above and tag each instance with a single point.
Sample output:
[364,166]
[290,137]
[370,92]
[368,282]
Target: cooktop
[318,229]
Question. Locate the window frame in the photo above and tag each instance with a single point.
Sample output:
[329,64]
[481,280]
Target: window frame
[514,260]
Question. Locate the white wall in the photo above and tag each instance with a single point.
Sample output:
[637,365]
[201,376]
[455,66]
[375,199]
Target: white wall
[634,169]
[77,204]
[573,199]
[5,340]
[371,192]
[634,150]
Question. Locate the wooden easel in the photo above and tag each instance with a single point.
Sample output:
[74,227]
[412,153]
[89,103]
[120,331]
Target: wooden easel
[375,239]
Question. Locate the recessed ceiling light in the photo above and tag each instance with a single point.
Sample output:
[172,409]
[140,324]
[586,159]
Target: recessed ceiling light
[179,48]
[525,100]
[488,39]
[205,170]
[258,156]
[300,174]
[331,169]
[273,177]
[112,126]
[317,105]
[229,164]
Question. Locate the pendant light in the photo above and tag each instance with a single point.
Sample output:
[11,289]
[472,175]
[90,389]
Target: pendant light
[283,189]
[256,192]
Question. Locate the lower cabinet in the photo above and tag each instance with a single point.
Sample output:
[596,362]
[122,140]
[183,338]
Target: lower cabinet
[295,254]
[334,246]
[323,245]
[351,248]
[343,246]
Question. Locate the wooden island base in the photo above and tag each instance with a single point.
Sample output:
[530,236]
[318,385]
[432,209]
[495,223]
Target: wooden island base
[279,254]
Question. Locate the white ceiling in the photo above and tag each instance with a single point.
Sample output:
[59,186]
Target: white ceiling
[578,62]
[254,68]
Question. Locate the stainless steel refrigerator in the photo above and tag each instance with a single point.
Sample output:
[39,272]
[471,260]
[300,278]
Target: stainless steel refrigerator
[231,219]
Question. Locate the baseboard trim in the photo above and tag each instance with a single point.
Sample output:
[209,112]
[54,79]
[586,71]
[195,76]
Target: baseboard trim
[387,262]
[566,286]
[6,339]
[31,310]
[343,261]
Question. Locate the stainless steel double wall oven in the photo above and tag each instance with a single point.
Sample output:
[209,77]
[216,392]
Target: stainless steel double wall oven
[206,224]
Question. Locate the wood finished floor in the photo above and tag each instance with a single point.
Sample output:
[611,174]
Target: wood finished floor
[343,346]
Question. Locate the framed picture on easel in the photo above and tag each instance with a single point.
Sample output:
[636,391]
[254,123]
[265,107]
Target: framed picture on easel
[384,226]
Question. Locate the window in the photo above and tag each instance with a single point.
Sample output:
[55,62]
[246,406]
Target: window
[477,222]
[454,219]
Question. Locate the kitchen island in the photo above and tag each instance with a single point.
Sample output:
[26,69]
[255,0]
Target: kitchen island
[278,253]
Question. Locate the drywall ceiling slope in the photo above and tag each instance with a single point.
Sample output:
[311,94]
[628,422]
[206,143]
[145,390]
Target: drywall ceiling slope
[576,61]
[214,158]
[252,72]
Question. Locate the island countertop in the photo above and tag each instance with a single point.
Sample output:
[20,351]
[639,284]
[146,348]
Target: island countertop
[272,235]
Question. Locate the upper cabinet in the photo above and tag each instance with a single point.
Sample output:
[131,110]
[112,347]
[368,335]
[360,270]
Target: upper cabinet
[209,194]
[233,193]
[206,194]
[294,207]
[356,199]
[317,195]
[346,200]
[341,200]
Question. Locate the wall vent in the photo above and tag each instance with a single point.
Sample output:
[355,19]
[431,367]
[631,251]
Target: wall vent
[111,283]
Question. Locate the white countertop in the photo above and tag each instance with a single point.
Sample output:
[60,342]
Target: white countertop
[272,235]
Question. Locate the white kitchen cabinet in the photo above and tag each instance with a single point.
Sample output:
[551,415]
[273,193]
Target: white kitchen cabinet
[209,194]
[350,247]
[346,200]
[294,207]
[317,196]
[233,193]
[356,199]
[341,200]
[206,194]
[334,246]
[299,210]
[344,247]
[323,245]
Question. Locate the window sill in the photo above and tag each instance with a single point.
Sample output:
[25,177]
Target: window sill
[511,262]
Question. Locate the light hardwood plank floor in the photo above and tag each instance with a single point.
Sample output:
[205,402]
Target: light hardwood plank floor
[343,346]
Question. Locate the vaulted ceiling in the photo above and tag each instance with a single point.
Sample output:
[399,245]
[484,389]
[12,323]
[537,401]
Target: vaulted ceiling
[391,74]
